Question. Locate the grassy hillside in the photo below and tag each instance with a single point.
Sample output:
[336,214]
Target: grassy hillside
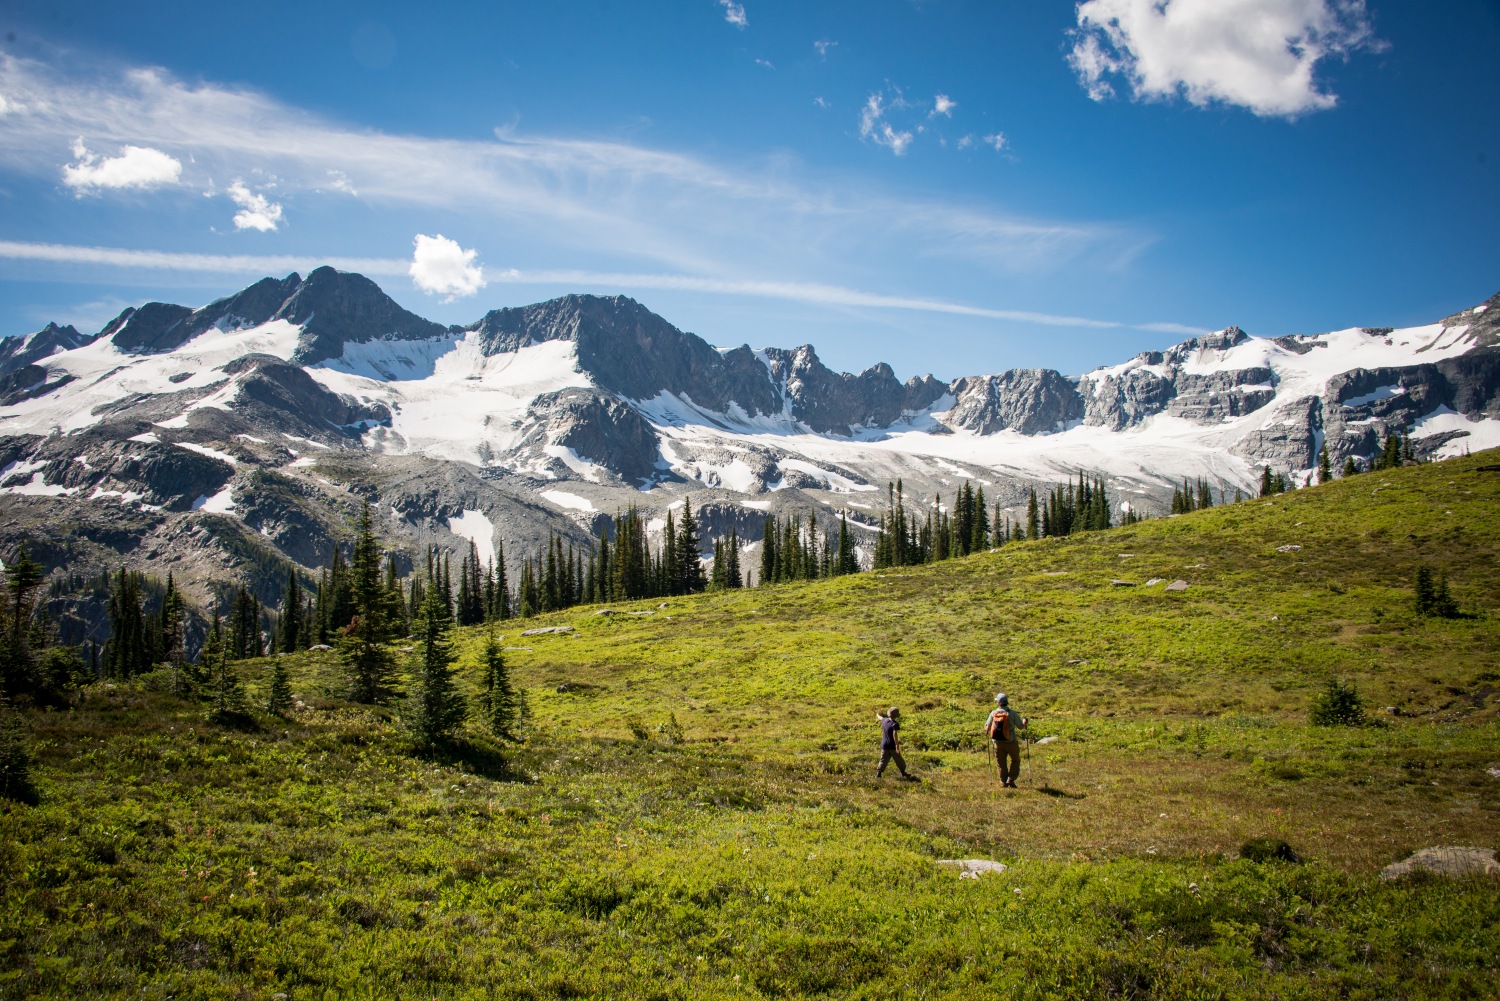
[759,857]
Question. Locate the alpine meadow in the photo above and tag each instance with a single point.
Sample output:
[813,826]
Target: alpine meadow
[692,812]
[750,499]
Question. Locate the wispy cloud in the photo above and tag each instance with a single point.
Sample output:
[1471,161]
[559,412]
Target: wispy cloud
[823,45]
[1257,54]
[579,195]
[874,127]
[734,13]
[256,210]
[135,167]
[608,203]
[942,104]
[449,270]
[765,63]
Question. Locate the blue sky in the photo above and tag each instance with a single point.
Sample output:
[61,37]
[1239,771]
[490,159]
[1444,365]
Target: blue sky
[947,186]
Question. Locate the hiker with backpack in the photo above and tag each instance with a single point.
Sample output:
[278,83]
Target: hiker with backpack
[890,747]
[1003,727]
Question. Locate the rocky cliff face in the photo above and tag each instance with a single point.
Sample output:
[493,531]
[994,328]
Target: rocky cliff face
[1026,400]
[836,402]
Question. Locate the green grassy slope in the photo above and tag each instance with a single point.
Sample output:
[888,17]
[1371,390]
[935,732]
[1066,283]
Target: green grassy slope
[760,858]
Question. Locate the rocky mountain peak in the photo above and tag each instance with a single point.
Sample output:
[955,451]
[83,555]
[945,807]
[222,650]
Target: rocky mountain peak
[334,307]
[27,349]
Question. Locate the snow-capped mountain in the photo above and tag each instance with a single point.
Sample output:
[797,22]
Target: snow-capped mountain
[233,439]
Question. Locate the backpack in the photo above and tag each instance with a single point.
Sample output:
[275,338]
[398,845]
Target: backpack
[999,727]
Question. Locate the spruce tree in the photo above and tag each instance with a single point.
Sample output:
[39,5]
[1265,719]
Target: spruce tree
[734,577]
[171,629]
[1266,483]
[15,759]
[689,567]
[500,700]
[1325,469]
[434,708]
[1351,466]
[126,655]
[279,697]
[228,694]
[23,577]
[365,657]
[1423,592]
[291,614]
[1033,523]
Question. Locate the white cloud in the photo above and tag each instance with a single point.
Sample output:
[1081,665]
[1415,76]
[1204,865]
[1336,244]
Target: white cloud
[4,105]
[943,105]
[997,140]
[966,141]
[734,13]
[823,46]
[874,127]
[766,63]
[822,102]
[1257,54]
[439,266]
[256,210]
[135,167]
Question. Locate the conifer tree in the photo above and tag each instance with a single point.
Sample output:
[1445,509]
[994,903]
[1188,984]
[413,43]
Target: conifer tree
[291,614]
[1351,466]
[244,626]
[1325,468]
[847,560]
[733,577]
[171,629]
[365,657]
[434,709]
[228,694]
[279,697]
[126,655]
[768,557]
[15,759]
[1033,523]
[500,700]
[23,577]
[689,567]
[1266,483]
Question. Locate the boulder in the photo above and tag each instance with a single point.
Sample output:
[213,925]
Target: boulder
[1453,862]
[1177,585]
[973,868]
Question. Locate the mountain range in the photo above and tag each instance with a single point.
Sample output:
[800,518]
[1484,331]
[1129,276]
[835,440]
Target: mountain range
[229,441]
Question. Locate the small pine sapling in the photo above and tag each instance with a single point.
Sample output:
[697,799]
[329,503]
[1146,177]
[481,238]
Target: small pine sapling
[1339,704]
[229,695]
[504,707]
[279,698]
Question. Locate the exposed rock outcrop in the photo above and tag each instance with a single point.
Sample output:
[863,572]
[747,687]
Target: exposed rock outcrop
[1026,400]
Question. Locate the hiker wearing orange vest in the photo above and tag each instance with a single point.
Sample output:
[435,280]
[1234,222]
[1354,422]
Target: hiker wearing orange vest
[1003,727]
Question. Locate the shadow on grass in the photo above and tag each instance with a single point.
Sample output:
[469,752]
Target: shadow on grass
[1047,790]
[484,760]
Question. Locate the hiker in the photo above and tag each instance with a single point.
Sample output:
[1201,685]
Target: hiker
[1003,727]
[890,748]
